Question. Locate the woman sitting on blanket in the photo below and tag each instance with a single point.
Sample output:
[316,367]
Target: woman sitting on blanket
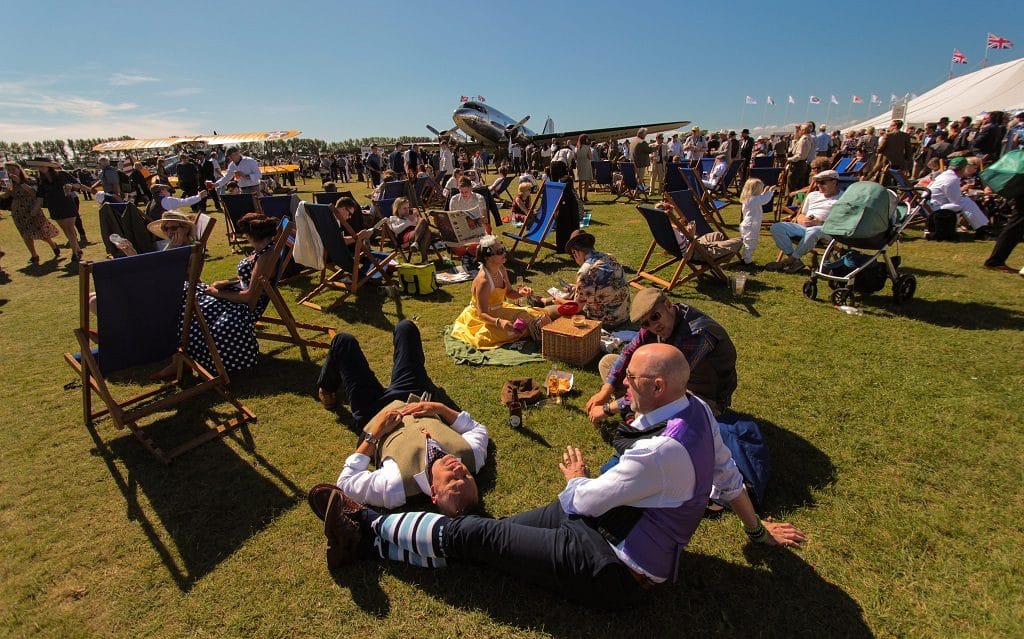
[410,228]
[490,321]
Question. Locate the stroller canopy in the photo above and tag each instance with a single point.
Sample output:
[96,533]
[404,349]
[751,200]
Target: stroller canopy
[864,211]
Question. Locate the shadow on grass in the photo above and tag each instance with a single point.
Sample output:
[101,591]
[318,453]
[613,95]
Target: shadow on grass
[206,504]
[974,316]
[919,272]
[777,595]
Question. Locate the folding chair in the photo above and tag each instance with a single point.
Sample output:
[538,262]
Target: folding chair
[843,164]
[763,162]
[357,268]
[236,205]
[326,197]
[279,206]
[674,180]
[602,173]
[501,189]
[709,205]
[394,189]
[706,164]
[139,303]
[631,187]
[771,176]
[284,242]
[540,221]
[722,187]
[663,225]
[691,212]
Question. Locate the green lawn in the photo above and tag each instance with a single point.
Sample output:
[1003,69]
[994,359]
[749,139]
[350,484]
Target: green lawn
[895,438]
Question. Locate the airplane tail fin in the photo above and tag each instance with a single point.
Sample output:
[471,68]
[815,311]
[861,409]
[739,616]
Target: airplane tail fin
[549,126]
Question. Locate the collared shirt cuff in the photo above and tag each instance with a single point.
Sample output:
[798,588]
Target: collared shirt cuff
[565,498]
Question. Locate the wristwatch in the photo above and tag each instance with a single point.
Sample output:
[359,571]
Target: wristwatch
[369,437]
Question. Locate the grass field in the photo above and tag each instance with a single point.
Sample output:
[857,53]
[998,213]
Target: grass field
[895,435]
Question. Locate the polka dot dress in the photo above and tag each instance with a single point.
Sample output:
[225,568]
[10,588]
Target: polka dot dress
[231,325]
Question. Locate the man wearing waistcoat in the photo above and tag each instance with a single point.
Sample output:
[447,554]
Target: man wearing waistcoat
[605,540]
[417,448]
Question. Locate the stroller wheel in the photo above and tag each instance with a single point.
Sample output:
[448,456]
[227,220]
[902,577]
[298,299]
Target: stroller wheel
[811,290]
[903,288]
[842,297]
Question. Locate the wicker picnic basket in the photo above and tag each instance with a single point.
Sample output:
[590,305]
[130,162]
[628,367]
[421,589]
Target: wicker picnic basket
[566,342]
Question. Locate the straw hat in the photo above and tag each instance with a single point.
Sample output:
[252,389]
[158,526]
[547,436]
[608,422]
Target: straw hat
[178,216]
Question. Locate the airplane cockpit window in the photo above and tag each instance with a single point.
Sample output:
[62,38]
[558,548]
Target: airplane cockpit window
[474,106]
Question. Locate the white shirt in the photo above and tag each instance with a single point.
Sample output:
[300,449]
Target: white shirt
[696,146]
[446,161]
[675,147]
[945,190]
[475,205]
[248,166]
[817,206]
[383,487]
[170,203]
[564,154]
[653,473]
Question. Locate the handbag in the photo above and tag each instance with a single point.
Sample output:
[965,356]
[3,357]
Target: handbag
[418,279]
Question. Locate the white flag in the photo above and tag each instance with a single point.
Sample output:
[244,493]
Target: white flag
[815,99]
[875,99]
[792,100]
[833,100]
[750,100]
[892,98]
[771,101]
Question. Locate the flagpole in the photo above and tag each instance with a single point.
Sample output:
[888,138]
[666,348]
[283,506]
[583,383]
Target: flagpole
[984,60]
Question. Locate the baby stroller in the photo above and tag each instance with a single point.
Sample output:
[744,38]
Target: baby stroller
[869,217]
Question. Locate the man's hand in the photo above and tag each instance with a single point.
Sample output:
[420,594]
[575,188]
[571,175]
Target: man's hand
[596,414]
[572,464]
[784,534]
[430,409]
[595,405]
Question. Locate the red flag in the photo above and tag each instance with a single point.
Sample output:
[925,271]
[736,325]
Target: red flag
[464,98]
[959,58]
[998,42]
[857,100]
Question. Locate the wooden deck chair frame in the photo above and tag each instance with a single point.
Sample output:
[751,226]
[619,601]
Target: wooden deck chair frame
[357,277]
[547,224]
[503,195]
[690,210]
[635,192]
[126,413]
[678,257]
[705,201]
[268,286]
[233,203]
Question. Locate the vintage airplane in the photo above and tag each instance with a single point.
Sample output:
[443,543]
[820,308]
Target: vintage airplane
[224,139]
[487,126]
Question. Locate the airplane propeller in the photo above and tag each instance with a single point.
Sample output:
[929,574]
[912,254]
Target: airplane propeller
[510,130]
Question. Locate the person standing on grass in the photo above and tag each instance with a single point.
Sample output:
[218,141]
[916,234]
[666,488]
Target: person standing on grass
[604,541]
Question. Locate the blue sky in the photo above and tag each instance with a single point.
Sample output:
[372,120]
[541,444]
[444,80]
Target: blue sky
[351,69]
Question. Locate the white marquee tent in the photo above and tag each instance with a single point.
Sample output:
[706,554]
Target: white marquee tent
[996,88]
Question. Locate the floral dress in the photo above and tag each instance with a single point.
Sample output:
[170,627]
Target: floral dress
[601,289]
[232,325]
[28,213]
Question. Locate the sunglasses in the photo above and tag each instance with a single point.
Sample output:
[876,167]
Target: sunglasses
[498,251]
[652,318]
[170,228]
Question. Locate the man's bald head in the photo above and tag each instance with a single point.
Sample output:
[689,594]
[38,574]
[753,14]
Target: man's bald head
[657,374]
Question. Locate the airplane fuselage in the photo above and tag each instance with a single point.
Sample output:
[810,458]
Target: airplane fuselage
[486,123]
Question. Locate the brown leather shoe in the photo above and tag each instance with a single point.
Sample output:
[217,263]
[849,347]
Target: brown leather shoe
[1001,267]
[327,398]
[341,527]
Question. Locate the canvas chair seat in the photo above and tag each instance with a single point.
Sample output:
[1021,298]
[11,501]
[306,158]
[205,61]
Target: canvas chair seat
[540,221]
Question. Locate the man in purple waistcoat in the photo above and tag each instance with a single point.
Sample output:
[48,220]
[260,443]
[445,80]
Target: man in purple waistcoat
[605,540]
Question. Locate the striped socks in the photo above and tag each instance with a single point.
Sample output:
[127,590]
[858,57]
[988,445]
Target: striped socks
[417,533]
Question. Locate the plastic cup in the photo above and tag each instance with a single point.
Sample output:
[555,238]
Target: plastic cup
[739,284]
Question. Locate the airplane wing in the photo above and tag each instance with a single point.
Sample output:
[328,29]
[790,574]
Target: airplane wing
[221,139]
[613,133]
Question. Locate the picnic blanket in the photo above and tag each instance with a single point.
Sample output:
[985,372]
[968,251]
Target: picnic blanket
[522,352]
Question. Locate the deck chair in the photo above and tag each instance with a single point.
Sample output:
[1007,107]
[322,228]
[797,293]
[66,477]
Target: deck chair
[691,212]
[631,187]
[770,175]
[394,189]
[674,180]
[539,221]
[284,242]
[279,206]
[235,206]
[763,162]
[352,269]
[428,191]
[139,304]
[326,197]
[663,225]
[728,179]
[709,206]
[706,164]
[501,189]
[843,164]
[602,173]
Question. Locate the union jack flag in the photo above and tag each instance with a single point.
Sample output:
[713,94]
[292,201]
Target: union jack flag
[959,58]
[481,98]
[998,42]
[464,98]
[857,100]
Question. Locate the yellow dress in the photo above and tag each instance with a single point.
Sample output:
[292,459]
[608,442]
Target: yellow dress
[471,328]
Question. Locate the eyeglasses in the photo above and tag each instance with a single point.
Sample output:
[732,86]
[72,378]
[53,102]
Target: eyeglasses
[652,318]
[632,378]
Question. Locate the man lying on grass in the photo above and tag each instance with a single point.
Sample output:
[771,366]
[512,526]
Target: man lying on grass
[605,540]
